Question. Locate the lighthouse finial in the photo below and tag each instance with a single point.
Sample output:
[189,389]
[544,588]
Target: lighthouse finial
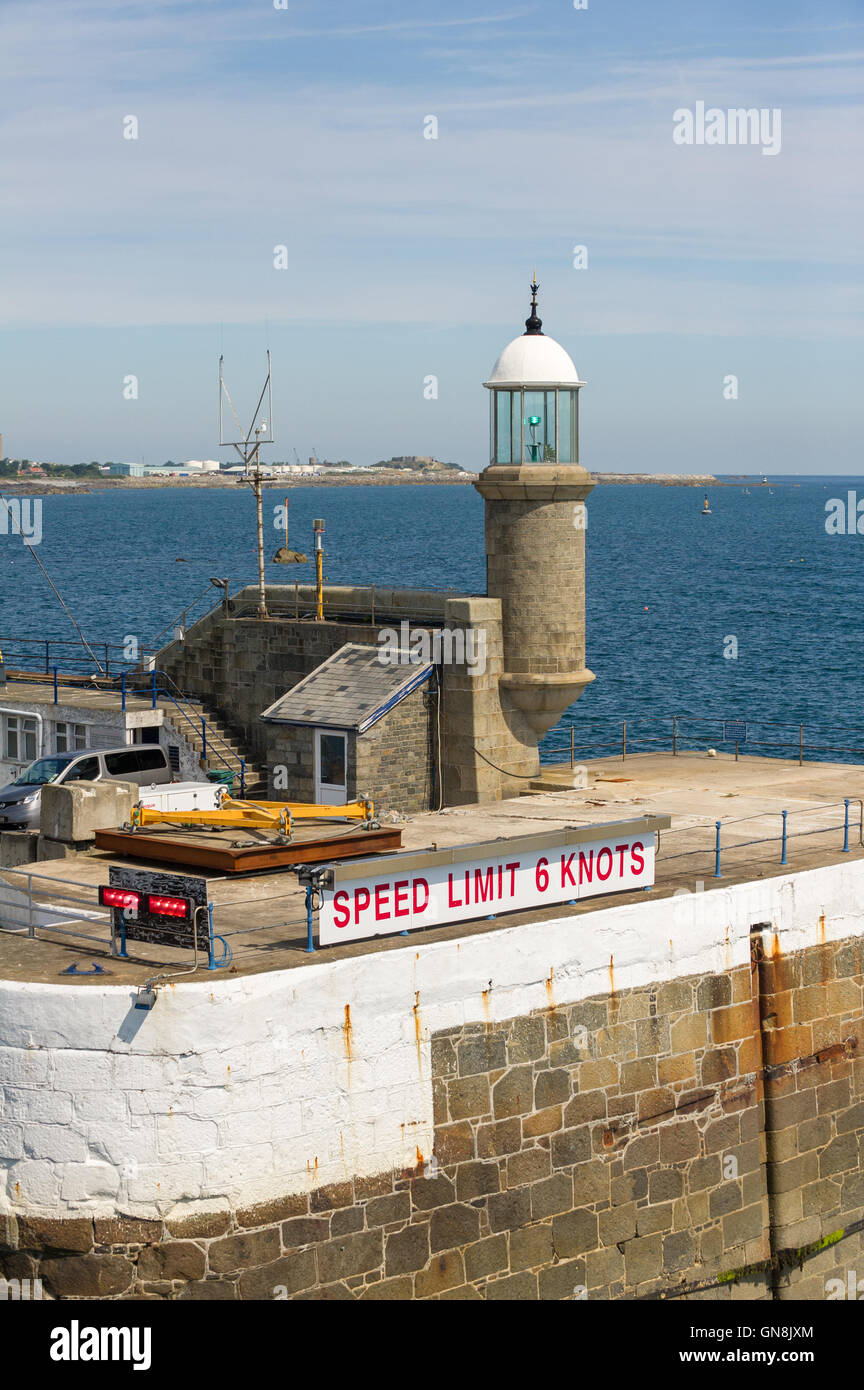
[533,324]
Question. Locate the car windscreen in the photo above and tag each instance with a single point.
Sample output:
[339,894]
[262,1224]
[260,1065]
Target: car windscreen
[42,771]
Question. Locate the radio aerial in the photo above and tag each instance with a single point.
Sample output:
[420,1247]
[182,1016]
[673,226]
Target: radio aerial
[249,452]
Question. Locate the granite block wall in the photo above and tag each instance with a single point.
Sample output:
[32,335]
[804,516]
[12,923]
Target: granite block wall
[701,1138]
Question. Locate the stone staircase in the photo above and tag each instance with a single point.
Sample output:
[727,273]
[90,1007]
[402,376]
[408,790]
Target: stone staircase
[224,751]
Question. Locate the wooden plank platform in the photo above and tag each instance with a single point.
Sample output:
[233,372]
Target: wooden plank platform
[223,855]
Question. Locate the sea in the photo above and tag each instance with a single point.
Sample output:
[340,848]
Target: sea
[742,625]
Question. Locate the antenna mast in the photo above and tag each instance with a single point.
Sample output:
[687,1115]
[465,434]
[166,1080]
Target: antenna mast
[249,452]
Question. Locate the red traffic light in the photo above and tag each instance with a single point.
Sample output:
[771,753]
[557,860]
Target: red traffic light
[119,897]
[159,906]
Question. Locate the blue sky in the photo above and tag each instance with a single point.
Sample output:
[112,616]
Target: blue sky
[407,257]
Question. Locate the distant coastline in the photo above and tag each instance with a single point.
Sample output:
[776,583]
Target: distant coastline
[45,487]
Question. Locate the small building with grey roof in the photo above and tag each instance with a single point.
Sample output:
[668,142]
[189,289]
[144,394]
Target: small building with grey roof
[359,720]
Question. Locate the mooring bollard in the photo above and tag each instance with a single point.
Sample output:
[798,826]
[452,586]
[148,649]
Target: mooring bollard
[717,873]
[783,859]
[846,826]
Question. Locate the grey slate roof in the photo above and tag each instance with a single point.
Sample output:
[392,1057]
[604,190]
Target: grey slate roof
[352,689]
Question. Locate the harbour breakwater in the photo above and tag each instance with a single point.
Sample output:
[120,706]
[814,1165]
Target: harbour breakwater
[47,487]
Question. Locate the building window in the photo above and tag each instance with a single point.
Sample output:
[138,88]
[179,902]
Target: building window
[20,738]
[149,733]
[69,738]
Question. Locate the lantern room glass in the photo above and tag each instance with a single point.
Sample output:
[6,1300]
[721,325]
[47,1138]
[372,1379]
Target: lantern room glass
[507,405]
[568,437]
[534,426]
[538,423]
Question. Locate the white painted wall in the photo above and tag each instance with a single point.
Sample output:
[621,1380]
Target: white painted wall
[236,1090]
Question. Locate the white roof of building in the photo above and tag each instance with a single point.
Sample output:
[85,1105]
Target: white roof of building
[534,359]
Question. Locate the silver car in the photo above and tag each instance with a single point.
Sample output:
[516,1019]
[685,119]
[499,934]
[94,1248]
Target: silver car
[20,802]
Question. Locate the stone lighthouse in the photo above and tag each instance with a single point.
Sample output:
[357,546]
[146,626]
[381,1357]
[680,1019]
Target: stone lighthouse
[535,490]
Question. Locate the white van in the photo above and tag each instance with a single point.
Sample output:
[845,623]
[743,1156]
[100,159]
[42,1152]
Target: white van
[144,763]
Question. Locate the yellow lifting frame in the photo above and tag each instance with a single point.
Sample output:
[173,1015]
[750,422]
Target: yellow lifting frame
[267,815]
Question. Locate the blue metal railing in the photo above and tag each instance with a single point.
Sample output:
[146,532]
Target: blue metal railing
[212,744]
[157,688]
[39,656]
[783,836]
[676,733]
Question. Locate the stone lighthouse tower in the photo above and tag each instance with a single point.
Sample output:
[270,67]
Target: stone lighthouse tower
[535,490]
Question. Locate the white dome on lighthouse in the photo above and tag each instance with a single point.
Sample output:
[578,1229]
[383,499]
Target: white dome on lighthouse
[534,359]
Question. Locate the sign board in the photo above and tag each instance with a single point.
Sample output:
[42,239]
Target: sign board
[734,731]
[141,925]
[376,897]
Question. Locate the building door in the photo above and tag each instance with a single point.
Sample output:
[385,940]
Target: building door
[331,768]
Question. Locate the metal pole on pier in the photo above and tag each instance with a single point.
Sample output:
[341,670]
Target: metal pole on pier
[250,454]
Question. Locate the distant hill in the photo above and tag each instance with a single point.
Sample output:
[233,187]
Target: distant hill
[416,463]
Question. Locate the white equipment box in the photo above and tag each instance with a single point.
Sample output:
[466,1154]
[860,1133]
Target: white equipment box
[182,796]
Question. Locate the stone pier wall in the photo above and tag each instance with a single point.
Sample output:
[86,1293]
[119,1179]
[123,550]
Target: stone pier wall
[652,1100]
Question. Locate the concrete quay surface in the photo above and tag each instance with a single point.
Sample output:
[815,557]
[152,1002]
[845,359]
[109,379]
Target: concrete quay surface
[263,915]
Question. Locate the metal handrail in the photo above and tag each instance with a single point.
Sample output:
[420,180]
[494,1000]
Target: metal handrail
[208,739]
[181,621]
[45,646]
[45,886]
[674,742]
[153,691]
[718,826]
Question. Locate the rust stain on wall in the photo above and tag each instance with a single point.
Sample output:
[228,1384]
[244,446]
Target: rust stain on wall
[612,974]
[418,1033]
[550,993]
[347,1032]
